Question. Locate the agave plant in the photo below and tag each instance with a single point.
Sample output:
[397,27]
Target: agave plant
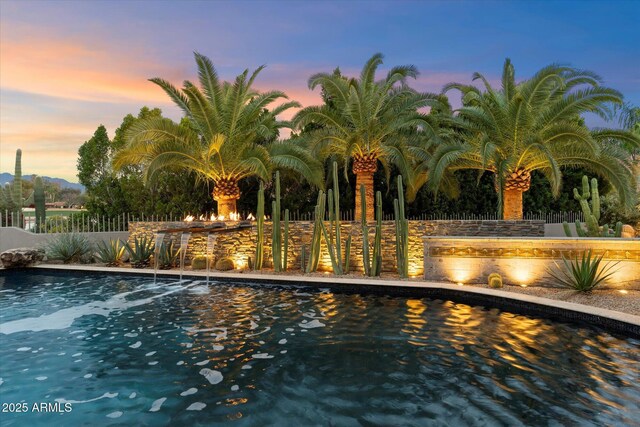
[141,251]
[585,273]
[69,248]
[110,253]
[167,256]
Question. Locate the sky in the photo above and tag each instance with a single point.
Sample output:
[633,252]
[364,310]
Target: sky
[68,66]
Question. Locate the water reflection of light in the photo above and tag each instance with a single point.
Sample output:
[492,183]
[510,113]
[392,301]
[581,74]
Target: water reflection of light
[415,322]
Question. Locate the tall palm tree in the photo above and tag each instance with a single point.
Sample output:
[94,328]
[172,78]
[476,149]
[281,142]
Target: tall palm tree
[230,136]
[535,125]
[367,121]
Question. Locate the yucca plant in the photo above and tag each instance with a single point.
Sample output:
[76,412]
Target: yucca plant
[583,274]
[167,256]
[141,251]
[69,248]
[110,253]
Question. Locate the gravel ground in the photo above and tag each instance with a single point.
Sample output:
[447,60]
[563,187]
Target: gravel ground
[610,299]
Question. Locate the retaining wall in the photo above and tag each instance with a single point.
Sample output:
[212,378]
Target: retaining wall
[240,245]
[526,261]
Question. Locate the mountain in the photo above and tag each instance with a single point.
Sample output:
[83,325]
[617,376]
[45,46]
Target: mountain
[7,177]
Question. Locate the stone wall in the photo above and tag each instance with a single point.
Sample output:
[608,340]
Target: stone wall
[525,261]
[240,245]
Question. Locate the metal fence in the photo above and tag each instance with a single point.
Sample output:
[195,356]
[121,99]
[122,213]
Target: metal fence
[82,222]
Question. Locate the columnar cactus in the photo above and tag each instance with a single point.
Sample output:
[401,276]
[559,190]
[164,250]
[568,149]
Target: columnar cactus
[371,266]
[402,233]
[591,213]
[332,238]
[11,198]
[260,229]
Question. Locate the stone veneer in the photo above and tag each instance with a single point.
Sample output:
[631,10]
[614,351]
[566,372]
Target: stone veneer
[240,245]
[526,261]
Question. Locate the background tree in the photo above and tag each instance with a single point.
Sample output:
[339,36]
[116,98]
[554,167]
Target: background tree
[229,123]
[367,121]
[534,126]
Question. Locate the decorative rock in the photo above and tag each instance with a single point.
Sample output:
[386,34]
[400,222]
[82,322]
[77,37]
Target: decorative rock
[21,257]
[628,231]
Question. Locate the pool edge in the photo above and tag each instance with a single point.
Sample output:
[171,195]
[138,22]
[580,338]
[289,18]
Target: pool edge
[587,315]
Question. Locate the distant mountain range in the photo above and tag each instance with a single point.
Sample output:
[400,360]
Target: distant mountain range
[7,177]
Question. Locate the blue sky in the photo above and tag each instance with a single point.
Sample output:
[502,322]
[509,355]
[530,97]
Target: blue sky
[68,66]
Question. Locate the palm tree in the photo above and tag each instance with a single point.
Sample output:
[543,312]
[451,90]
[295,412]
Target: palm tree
[366,121]
[229,135]
[535,125]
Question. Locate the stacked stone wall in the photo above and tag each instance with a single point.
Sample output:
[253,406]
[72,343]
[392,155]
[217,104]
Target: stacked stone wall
[240,245]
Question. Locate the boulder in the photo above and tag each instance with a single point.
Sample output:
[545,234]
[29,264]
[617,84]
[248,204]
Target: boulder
[21,257]
[628,231]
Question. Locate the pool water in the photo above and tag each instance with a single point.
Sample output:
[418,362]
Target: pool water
[125,351]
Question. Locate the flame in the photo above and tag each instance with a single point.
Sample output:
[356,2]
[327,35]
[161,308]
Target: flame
[250,217]
[189,218]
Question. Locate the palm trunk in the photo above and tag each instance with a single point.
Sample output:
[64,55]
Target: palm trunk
[366,179]
[226,207]
[517,182]
[226,192]
[512,204]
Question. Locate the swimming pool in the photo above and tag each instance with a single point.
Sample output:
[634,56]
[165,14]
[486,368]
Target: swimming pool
[125,351]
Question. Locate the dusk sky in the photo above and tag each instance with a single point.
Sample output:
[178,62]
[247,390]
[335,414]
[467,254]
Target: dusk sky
[68,66]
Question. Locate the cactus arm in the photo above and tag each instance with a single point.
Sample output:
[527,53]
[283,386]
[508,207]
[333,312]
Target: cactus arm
[567,230]
[347,254]
[595,200]
[365,233]
[579,230]
[618,230]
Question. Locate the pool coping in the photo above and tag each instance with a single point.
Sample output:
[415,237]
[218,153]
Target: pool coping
[628,324]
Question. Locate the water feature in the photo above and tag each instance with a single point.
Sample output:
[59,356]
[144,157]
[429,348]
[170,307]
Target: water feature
[125,351]
[211,243]
[184,243]
[156,253]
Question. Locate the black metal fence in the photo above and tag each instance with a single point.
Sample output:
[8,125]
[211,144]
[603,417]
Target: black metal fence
[83,222]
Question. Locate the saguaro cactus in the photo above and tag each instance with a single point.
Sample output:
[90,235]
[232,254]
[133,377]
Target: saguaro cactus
[591,213]
[402,233]
[316,238]
[12,200]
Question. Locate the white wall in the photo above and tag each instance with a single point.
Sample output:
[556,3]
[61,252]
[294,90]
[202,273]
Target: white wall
[13,237]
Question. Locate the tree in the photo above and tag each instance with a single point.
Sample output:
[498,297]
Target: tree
[535,126]
[366,121]
[93,158]
[232,135]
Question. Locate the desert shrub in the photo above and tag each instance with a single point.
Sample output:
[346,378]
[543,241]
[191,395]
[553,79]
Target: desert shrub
[69,248]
